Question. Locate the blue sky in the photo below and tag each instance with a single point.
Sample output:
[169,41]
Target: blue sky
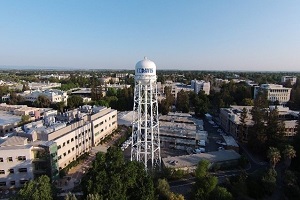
[188,34]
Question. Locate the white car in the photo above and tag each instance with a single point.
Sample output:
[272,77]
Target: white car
[221,149]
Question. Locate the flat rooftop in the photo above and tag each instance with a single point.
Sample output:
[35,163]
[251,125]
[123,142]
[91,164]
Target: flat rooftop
[6,118]
[194,159]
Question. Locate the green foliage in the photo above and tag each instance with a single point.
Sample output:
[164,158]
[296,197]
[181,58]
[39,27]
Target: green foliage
[274,156]
[24,119]
[202,168]
[163,190]
[39,189]
[15,99]
[220,193]
[269,181]
[113,178]
[165,104]
[182,102]
[70,196]
[111,92]
[75,101]
[291,185]
[93,197]
[42,102]
[201,104]
[206,185]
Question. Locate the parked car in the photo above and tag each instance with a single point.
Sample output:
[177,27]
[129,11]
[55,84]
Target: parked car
[221,148]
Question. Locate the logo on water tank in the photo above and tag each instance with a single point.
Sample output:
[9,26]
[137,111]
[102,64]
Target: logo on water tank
[144,70]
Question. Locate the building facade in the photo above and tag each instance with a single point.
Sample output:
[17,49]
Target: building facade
[49,145]
[200,86]
[274,92]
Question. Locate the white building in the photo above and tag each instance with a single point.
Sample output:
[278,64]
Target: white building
[200,86]
[53,95]
[65,137]
[15,162]
[274,92]
[292,79]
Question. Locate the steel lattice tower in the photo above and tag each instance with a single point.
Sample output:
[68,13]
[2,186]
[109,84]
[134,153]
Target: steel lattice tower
[145,125]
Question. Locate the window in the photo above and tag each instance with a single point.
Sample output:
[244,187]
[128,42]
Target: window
[2,183]
[59,157]
[72,139]
[11,171]
[72,148]
[69,151]
[1,159]
[10,159]
[23,181]
[68,141]
[75,137]
[58,147]
[76,146]
[64,144]
[2,172]
[12,182]
[65,154]
[21,158]
[22,169]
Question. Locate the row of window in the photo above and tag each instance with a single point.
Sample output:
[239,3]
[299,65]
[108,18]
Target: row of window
[10,159]
[12,183]
[69,151]
[12,171]
[72,140]
[99,124]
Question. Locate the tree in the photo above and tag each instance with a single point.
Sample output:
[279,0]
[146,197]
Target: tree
[164,192]
[257,134]
[206,185]
[111,92]
[220,193]
[60,106]
[243,125]
[288,154]
[182,102]
[39,189]
[42,102]
[269,181]
[75,101]
[24,119]
[201,104]
[93,197]
[274,156]
[70,196]
[114,178]
[274,130]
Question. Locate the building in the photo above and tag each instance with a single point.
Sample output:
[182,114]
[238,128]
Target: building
[200,86]
[189,163]
[274,92]
[180,131]
[175,88]
[43,85]
[49,145]
[53,95]
[292,79]
[230,120]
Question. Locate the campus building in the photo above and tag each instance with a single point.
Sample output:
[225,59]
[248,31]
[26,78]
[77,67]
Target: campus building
[49,145]
[230,120]
[55,96]
[198,86]
[274,92]
[292,79]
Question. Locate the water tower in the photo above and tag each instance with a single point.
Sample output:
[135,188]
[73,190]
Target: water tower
[145,125]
